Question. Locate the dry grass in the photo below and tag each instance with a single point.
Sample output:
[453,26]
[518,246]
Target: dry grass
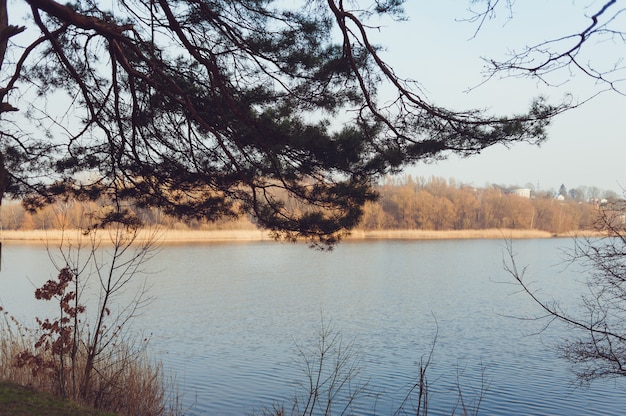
[448,234]
[165,236]
[191,236]
[14,339]
[125,381]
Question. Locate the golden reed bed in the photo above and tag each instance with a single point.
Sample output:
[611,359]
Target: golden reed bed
[190,236]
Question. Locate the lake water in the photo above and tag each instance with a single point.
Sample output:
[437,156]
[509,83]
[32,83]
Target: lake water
[227,320]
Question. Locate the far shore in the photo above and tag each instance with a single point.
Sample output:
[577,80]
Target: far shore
[198,236]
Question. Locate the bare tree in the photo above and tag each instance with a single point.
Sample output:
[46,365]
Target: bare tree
[334,383]
[87,350]
[598,346]
[569,53]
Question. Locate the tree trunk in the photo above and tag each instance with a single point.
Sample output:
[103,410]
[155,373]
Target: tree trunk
[6,31]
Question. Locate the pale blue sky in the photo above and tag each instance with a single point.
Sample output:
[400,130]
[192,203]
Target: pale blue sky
[587,146]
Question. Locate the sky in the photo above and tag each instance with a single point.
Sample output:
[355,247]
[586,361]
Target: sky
[586,146]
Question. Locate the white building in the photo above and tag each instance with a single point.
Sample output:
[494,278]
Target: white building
[523,192]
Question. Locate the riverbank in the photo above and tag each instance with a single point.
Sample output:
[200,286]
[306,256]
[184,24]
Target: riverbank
[199,236]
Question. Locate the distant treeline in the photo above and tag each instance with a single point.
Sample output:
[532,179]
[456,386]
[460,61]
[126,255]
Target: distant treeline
[407,203]
[438,204]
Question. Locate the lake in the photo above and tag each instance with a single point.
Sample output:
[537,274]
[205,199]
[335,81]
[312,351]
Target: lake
[228,321]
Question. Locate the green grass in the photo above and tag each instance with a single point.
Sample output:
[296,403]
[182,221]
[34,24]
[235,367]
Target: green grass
[16,400]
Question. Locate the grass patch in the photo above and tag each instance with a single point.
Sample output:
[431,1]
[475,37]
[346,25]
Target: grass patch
[16,400]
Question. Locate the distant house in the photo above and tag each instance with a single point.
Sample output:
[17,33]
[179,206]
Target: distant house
[523,192]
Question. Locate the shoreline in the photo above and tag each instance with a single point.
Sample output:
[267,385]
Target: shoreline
[251,235]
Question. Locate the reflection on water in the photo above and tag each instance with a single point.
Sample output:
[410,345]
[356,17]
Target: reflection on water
[227,317]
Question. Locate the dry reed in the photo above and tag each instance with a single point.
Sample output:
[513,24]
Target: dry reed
[192,236]
[449,234]
[125,381]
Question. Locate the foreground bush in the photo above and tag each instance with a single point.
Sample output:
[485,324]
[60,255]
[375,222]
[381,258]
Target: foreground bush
[126,381]
[84,352]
